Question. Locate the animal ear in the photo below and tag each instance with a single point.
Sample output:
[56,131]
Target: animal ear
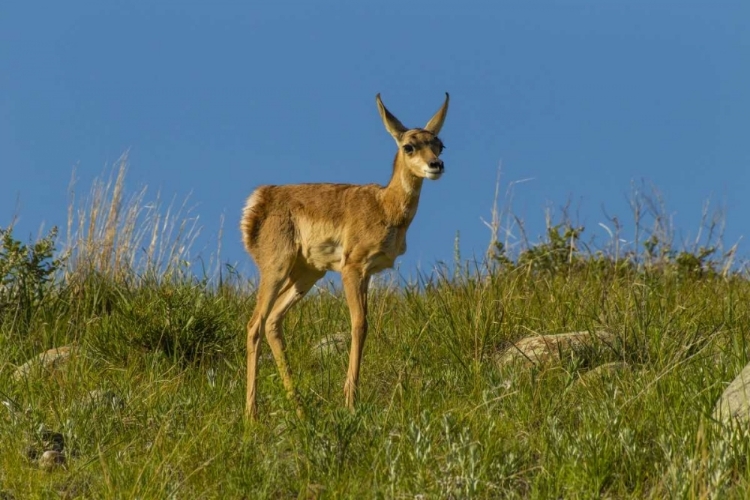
[392,125]
[436,122]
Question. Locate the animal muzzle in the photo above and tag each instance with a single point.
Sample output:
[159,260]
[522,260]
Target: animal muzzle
[436,165]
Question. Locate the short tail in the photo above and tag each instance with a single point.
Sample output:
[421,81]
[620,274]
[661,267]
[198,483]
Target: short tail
[251,218]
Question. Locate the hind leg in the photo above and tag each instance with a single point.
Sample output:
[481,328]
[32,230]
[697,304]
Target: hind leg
[300,282]
[273,278]
[267,293]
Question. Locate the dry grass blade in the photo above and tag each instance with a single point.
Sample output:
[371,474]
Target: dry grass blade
[107,231]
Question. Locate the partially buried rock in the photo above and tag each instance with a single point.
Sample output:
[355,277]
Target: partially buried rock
[43,441]
[51,459]
[607,371]
[543,348]
[331,344]
[47,361]
[734,403]
[101,398]
[314,491]
[52,440]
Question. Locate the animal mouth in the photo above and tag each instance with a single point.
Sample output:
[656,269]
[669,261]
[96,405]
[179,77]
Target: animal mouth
[434,173]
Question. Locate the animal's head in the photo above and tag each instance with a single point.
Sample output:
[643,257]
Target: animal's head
[419,148]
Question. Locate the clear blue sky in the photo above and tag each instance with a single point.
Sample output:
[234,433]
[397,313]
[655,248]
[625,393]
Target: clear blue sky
[216,98]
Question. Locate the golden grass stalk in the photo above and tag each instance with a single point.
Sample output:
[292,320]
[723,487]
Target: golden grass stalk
[124,237]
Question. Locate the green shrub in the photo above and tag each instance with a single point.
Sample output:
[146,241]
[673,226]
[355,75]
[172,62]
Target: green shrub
[26,272]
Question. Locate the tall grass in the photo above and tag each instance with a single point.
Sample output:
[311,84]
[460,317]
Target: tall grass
[122,236]
[152,404]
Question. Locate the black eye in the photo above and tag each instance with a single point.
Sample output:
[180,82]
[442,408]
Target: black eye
[408,149]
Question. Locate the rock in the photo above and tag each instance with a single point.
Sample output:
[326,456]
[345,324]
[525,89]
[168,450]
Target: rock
[104,398]
[542,348]
[314,491]
[605,371]
[44,440]
[604,381]
[52,441]
[734,402]
[332,344]
[51,459]
[48,360]
[6,495]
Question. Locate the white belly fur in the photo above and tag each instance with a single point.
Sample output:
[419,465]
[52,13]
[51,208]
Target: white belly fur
[322,248]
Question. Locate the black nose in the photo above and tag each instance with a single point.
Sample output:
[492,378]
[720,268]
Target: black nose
[436,164]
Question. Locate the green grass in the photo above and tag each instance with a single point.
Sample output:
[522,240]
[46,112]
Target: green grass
[437,416]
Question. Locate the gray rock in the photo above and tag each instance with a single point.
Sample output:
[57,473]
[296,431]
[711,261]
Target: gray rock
[603,381]
[46,361]
[52,440]
[51,459]
[544,348]
[332,344]
[734,403]
[104,398]
[6,495]
[605,371]
[44,440]
[314,491]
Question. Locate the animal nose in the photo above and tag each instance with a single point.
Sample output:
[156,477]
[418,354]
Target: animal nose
[436,164]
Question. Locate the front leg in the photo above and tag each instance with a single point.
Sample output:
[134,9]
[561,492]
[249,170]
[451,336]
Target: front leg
[355,287]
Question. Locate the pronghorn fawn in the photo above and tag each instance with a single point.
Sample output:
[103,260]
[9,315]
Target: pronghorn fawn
[295,233]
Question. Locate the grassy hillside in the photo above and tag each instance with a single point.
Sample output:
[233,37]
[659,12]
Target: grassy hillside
[151,403]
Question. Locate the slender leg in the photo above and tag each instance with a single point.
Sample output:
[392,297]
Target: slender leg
[355,287]
[268,291]
[253,353]
[274,326]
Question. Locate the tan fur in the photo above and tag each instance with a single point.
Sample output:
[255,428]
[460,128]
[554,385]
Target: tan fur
[296,233]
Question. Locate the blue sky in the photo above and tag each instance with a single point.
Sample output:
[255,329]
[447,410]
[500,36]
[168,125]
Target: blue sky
[214,99]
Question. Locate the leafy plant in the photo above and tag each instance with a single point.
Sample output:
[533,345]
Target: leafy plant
[25,271]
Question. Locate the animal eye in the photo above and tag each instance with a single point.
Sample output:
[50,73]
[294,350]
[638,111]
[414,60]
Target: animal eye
[408,149]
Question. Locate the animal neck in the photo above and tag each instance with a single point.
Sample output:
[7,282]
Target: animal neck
[401,195]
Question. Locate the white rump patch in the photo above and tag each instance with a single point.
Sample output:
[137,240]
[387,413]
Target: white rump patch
[250,204]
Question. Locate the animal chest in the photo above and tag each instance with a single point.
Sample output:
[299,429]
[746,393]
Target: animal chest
[392,245]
